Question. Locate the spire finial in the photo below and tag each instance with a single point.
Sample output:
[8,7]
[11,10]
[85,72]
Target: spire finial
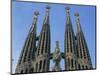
[48,7]
[77,21]
[46,20]
[36,13]
[67,8]
[76,14]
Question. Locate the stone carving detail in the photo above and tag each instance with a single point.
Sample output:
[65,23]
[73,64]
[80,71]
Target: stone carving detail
[57,58]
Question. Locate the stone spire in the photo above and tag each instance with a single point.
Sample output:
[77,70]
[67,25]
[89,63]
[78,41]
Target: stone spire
[28,51]
[33,27]
[43,47]
[69,44]
[78,22]
[84,61]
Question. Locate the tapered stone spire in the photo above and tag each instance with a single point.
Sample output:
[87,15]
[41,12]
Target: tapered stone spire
[28,51]
[43,47]
[84,61]
[69,44]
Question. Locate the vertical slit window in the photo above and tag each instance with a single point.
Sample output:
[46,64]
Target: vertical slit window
[84,53]
[77,50]
[86,67]
[31,70]
[75,65]
[46,47]
[72,63]
[80,48]
[68,62]
[83,67]
[26,71]
[44,65]
[36,67]
[39,45]
[68,42]
[21,71]
[40,65]
[79,66]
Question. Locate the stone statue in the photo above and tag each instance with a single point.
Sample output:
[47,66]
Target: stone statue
[57,58]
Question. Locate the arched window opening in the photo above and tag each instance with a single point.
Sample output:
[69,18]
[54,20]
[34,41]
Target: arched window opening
[36,67]
[83,67]
[75,65]
[44,65]
[26,71]
[21,72]
[68,62]
[72,63]
[40,65]
[86,67]
[31,70]
[79,66]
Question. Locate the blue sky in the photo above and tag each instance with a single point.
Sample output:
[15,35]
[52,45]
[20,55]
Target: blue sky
[22,17]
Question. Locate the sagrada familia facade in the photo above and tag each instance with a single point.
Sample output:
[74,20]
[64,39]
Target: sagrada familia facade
[36,57]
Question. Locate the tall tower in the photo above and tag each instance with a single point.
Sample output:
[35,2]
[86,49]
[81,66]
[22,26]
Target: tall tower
[69,44]
[28,53]
[84,61]
[43,47]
